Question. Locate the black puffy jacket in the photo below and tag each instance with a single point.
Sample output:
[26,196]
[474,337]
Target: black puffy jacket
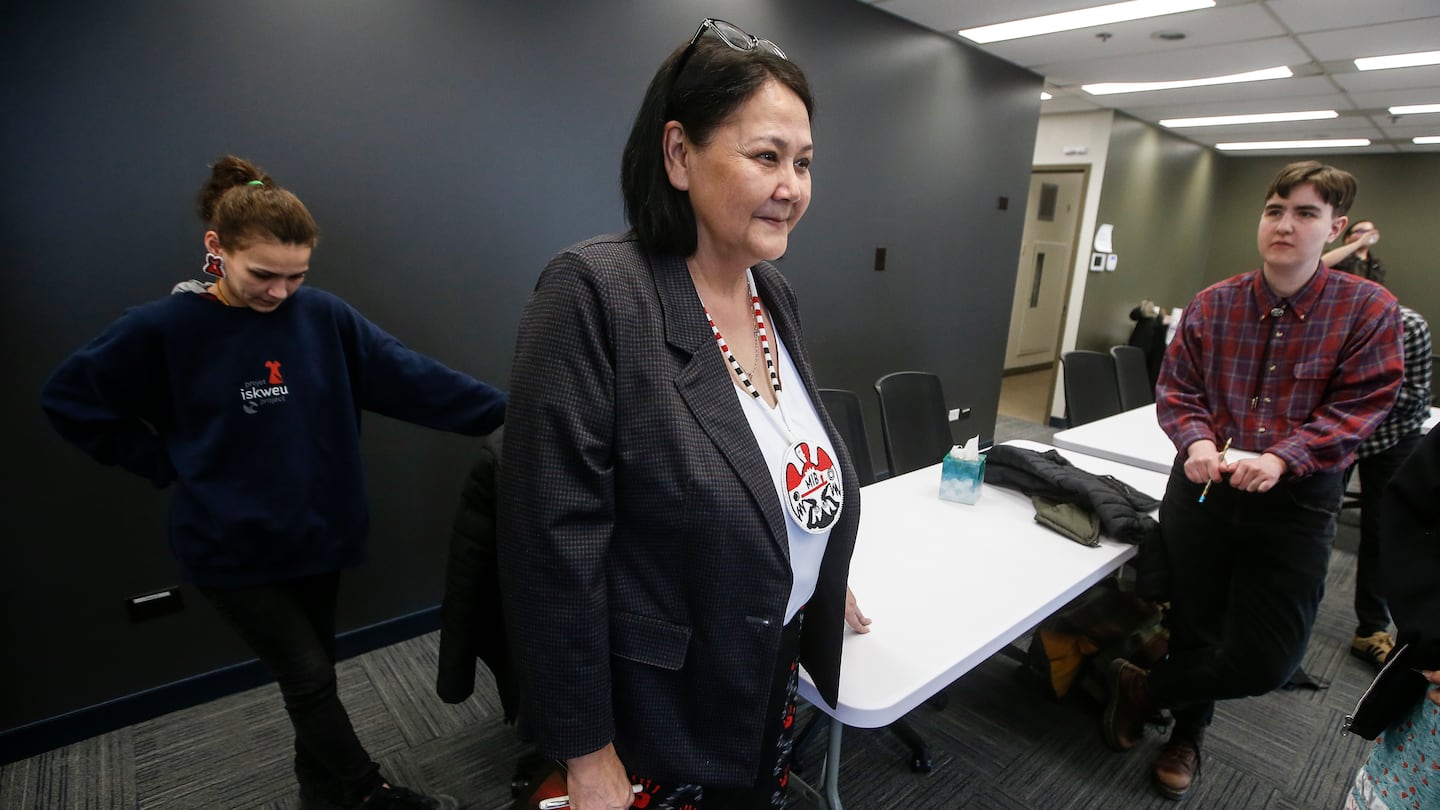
[1122,509]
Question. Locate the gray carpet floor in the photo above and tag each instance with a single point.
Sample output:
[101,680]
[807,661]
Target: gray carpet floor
[997,742]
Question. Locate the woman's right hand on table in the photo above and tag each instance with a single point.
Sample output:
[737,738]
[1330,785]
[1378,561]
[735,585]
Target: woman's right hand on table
[858,621]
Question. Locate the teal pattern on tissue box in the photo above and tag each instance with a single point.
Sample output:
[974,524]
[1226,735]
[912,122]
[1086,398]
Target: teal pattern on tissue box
[960,479]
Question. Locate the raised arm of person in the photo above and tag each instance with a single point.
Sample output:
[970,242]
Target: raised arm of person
[107,400]
[1330,257]
[399,382]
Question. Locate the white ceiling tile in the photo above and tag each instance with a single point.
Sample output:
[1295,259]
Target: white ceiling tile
[1212,138]
[1303,16]
[1405,140]
[950,16]
[1065,104]
[1202,28]
[1189,63]
[1278,91]
[1319,154]
[1391,98]
[1390,80]
[1315,37]
[1288,102]
[1375,40]
[1298,130]
[1410,126]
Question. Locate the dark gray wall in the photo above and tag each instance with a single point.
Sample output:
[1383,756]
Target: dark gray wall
[1157,192]
[1400,193]
[447,148]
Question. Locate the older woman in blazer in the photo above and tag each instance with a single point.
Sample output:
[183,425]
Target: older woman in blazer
[676,518]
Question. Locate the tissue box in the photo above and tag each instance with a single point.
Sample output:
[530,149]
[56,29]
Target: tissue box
[960,480]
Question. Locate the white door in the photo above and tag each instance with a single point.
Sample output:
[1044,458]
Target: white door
[1052,213]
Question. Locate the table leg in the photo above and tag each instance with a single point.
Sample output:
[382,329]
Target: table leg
[832,765]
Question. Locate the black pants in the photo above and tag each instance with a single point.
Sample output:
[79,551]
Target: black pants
[1372,614]
[290,626]
[1247,572]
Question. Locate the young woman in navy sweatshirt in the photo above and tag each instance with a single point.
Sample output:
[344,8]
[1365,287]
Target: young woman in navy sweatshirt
[189,391]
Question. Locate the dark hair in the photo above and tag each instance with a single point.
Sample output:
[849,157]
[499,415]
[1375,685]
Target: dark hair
[714,80]
[1335,186]
[241,204]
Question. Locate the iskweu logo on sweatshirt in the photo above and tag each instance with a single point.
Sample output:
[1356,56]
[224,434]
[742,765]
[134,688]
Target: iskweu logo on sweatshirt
[271,390]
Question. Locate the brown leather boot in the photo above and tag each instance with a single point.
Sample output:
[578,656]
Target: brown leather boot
[1129,705]
[1373,649]
[1177,767]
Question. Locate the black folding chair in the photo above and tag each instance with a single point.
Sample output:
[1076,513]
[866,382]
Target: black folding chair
[1091,389]
[1132,378]
[845,411]
[913,420]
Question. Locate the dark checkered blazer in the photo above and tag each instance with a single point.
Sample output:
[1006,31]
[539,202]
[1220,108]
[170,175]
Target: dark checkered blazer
[644,563]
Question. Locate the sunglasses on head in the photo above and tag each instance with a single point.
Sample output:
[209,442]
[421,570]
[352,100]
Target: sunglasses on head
[730,34]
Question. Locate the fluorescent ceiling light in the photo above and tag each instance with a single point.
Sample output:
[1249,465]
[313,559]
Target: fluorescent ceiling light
[1398,60]
[1415,109]
[1111,88]
[1330,143]
[1081,18]
[1258,118]
[1044,96]
[1426,139]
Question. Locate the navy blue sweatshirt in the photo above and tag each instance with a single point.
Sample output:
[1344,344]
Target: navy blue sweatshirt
[254,418]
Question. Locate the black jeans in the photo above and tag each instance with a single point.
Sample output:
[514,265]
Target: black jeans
[1247,572]
[290,626]
[1372,614]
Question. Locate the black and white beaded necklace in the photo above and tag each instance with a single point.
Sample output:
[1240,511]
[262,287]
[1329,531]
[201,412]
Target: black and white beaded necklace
[814,495]
[760,332]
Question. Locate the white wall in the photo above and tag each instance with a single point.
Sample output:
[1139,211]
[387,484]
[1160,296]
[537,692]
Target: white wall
[1089,131]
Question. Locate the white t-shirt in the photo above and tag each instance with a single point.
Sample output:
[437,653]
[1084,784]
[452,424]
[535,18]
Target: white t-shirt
[806,549]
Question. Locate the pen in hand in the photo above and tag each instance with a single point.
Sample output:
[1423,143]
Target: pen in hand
[1223,451]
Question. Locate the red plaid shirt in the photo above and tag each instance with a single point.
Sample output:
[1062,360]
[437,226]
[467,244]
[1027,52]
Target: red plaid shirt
[1307,384]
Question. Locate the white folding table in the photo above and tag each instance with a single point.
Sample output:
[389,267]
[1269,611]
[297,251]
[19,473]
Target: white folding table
[1135,437]
[948,585]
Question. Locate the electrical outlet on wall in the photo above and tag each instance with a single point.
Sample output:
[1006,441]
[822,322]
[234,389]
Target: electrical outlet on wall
[156,603]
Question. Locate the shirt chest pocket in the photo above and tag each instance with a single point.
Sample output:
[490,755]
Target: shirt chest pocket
[1312,378]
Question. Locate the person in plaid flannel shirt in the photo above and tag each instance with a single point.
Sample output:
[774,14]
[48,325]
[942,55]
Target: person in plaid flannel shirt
[1273,379]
